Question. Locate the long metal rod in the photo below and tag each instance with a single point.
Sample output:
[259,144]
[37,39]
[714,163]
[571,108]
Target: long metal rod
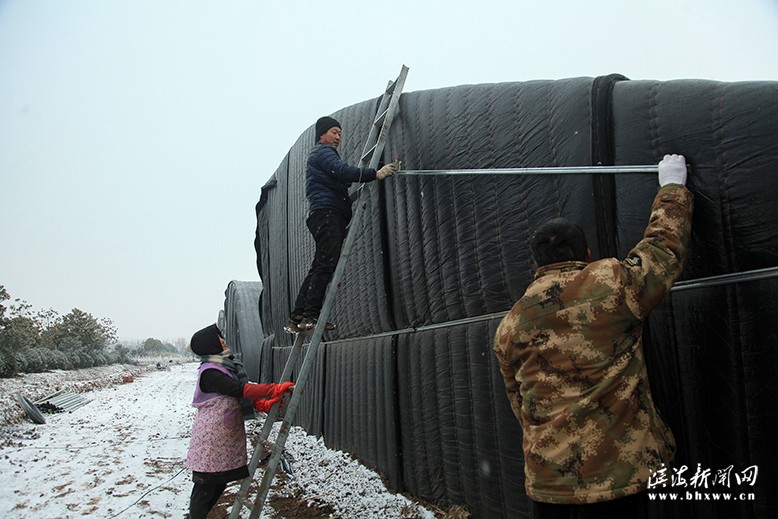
[726,279]
[49,397]
[426,327]
[572,170]
[723,279]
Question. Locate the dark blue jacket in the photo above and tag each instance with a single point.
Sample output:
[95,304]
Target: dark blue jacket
[328,177]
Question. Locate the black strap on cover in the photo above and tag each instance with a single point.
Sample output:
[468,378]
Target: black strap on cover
[602,155]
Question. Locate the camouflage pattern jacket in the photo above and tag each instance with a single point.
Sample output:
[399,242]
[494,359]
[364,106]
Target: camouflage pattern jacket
[570,351]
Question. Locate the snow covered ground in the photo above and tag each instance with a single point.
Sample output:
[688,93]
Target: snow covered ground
[122,455]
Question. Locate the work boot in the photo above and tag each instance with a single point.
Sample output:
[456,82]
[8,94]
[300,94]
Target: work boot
[293,324]
[309,323]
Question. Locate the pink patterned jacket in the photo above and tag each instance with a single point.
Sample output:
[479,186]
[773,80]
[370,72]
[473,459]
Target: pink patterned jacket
[218,441]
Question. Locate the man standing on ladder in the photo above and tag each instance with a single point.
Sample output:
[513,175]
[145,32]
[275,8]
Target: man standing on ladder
[571,355]
[327,180]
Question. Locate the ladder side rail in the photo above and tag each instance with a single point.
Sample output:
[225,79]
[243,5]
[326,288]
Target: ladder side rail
[310,357]
[286,375]
[391,112]
[318,331]
[266,428]
[375,130]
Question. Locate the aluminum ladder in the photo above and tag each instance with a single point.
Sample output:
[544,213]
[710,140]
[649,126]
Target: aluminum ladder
[374,147]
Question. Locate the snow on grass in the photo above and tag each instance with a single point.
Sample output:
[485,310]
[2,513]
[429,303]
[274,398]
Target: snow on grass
[333,477]
[122,454]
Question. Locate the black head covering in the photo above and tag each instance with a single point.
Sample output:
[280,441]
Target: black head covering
[206,341]
[324,124]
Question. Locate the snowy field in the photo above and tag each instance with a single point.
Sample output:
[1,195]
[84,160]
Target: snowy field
[122,455]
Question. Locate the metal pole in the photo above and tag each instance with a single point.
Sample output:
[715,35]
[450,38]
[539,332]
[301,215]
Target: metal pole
[726,279]
[572,170]
[723,279]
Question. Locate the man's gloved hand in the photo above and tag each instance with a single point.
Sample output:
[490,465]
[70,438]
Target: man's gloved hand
[257,391]
[672,170]
[264,406]
[386,171]
[280,389]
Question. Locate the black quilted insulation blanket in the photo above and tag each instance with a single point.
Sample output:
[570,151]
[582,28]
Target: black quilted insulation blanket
[408,383]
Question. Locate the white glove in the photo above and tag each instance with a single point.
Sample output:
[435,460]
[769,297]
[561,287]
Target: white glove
[386,171]
[672,170]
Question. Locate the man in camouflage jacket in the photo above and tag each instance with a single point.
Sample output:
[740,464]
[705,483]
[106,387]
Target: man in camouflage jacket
[570,351]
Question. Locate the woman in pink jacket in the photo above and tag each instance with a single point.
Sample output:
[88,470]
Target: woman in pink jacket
[223,395]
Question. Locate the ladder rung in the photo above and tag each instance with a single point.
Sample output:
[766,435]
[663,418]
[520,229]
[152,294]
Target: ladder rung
[390,88]
[369,153]
[379,120]
[248,505]
[268,445]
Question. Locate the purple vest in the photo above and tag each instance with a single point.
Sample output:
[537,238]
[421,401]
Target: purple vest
[200,397]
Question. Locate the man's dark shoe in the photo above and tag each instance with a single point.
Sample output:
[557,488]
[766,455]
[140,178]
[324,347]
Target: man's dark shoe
[309,323]
[293,324]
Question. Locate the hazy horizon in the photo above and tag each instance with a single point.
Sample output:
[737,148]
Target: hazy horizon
[135,137]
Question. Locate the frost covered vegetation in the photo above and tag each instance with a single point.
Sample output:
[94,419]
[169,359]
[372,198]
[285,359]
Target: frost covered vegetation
[36,341]
[122,456]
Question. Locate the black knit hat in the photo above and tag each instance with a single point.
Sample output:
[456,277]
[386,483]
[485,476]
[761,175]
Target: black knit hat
[206,341]
[324,124]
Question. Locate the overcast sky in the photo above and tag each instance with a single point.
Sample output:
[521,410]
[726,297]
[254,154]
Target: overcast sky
[135,136]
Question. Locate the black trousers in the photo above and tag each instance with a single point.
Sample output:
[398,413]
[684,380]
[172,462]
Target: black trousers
[204,496]
[329,230]
[630,507]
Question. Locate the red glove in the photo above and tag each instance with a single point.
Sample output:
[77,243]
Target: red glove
[264,406]
[280,389]
[256,391]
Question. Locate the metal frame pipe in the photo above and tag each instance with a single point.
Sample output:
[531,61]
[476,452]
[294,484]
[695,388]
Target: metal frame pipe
[565,170]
